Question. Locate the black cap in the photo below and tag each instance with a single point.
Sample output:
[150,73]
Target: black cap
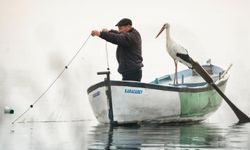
[124,22]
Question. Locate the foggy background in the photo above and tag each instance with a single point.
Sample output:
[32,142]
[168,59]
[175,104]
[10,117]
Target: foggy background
[38,38]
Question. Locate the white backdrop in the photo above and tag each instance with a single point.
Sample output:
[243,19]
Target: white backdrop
[38,38]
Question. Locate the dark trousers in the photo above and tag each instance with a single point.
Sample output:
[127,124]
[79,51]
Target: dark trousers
[132,75]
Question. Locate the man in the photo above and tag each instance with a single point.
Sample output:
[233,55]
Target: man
[128,51]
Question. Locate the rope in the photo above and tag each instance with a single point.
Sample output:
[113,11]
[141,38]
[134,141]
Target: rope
[60,74]
[107,54]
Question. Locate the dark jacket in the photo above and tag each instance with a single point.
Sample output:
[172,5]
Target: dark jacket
[128,54]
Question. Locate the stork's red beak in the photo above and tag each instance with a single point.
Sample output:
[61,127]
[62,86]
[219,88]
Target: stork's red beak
[160,31]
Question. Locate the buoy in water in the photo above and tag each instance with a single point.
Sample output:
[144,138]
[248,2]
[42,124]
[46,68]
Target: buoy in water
[8,110]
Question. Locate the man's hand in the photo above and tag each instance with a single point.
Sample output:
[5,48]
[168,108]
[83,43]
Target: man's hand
[95,33]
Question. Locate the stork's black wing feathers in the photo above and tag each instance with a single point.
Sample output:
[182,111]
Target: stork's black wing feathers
[184,57]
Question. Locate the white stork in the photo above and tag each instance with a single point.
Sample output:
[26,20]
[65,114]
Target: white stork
[176,51]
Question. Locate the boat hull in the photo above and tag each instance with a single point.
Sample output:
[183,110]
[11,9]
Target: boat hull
[135,102]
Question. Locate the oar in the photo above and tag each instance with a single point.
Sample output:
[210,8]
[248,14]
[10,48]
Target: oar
[243,118]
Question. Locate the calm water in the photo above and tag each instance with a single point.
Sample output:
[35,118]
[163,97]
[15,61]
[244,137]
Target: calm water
[91,135]
[188,136]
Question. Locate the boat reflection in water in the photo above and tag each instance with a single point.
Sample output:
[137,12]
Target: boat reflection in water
[162,136]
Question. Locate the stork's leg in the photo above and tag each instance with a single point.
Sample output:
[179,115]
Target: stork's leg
[174,72]
[176,77]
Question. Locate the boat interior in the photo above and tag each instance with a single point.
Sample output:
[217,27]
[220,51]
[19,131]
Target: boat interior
[190,78]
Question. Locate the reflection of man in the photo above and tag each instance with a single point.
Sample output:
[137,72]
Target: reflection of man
[128,51]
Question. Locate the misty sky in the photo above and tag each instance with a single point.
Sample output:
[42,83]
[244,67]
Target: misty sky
[38,38]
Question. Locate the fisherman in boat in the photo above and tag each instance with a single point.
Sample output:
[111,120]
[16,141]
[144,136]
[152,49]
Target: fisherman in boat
[128,53]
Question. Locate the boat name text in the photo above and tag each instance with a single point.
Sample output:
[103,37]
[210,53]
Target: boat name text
[96,94]
[133,91]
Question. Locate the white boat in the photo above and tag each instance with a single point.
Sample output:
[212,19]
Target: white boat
[123,102]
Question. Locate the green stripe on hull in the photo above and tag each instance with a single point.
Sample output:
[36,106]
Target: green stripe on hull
[201,103]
